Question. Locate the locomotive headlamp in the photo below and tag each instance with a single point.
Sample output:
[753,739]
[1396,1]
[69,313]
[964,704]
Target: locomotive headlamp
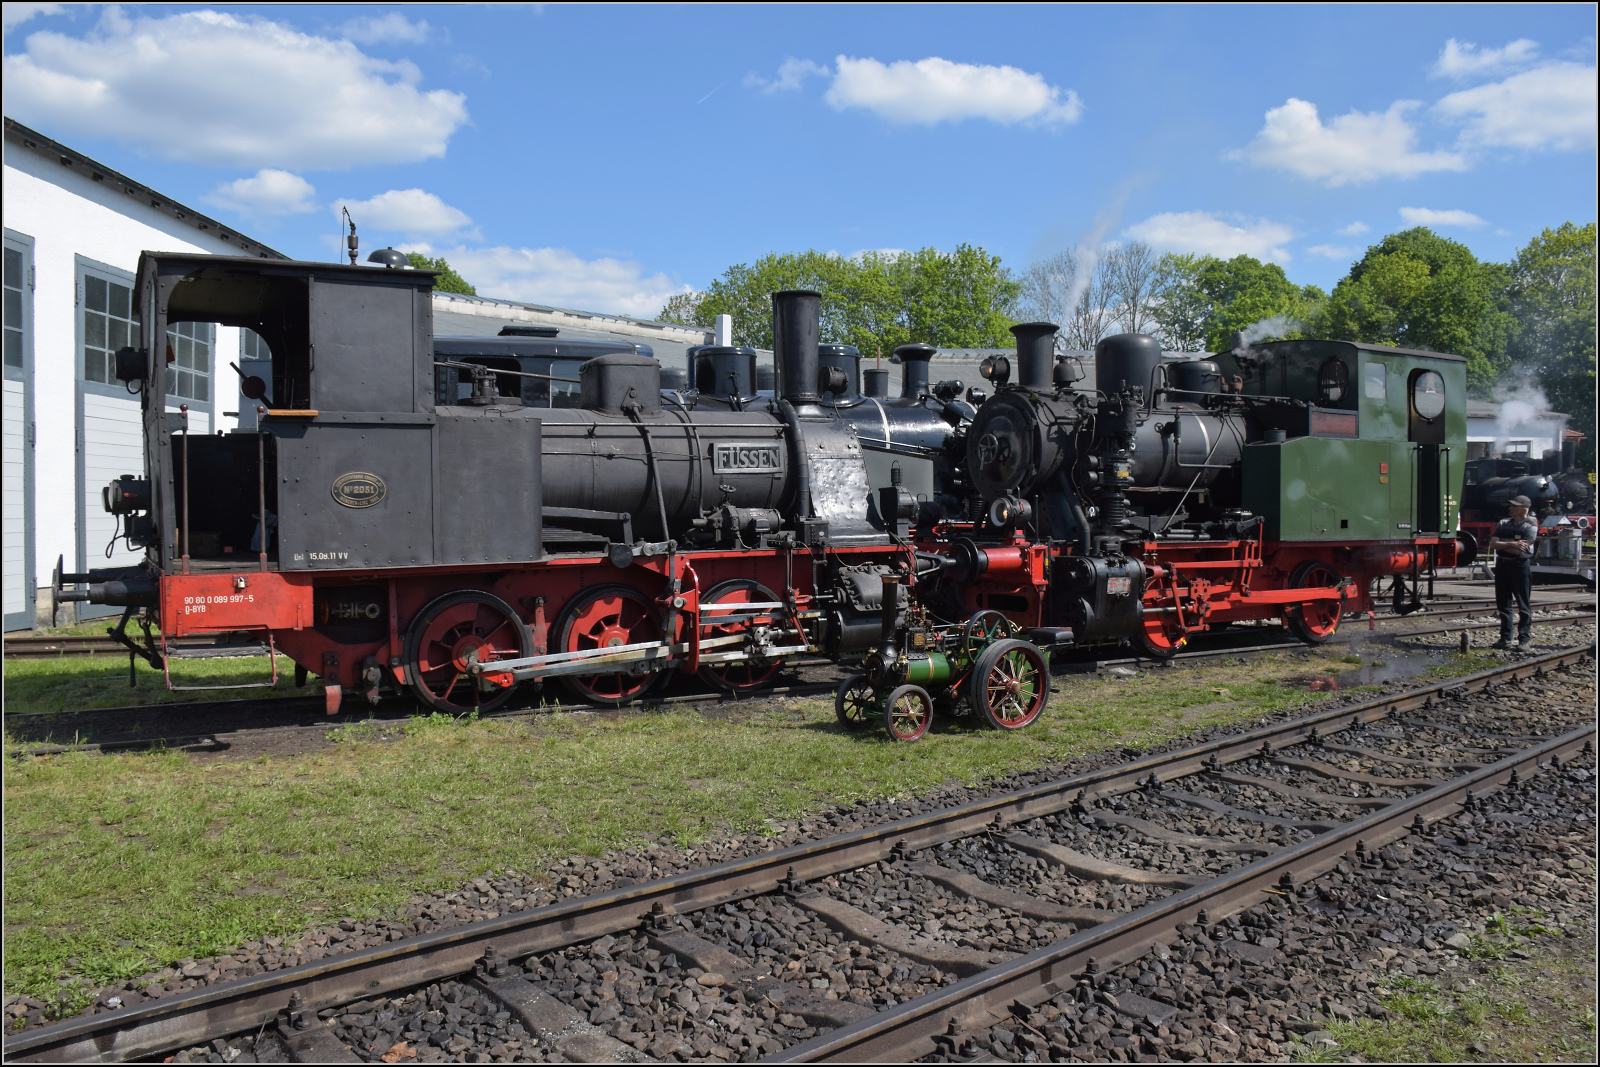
[1427,395]
[996,369]
[1333,378]
[1008,511]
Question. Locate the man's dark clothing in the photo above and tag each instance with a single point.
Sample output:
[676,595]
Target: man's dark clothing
[1513,576]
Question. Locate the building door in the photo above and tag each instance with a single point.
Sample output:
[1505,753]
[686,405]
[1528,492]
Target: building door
[16,463]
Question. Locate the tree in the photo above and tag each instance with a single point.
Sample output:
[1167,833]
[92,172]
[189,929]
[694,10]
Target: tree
[1180,307]
[1070,289]
[1244,295]
[448,280]
[1131,273]
[682,309]
[1551,295]
[959,299]
[1415,289]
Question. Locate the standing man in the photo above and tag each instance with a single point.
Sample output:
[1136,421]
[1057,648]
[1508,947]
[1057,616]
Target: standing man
[1512,545]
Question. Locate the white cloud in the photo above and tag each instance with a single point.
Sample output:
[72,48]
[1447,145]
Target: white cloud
[1330,251]
[1423,216]
[409,211]
[13,15]
[792,74]
[271,192]
[1356,147]
[1552,106]
[209,87]
[1355,229]
[1461,59]
[393,28]
[1211,234]
[557,277]
[936,90]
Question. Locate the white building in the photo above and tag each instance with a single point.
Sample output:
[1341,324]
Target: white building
[73,233]
[1513,428]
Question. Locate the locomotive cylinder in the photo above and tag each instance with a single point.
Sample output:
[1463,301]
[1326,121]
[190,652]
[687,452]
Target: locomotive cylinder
[1036,348]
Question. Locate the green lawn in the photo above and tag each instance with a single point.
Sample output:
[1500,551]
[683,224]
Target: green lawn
[72,683]
[116,864]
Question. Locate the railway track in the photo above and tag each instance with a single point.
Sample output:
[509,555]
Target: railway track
[214,737]
[1024,921]
[46,646]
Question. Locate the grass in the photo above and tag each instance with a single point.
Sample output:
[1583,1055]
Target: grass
[72,683]
[1536,1010]
[121,863]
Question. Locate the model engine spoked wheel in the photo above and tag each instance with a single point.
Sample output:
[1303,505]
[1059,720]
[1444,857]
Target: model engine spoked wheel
[749,675]
[1317,621]
[1010,684]
[907,713]
[856,703]
[983,630]
[608,616]
[450,636]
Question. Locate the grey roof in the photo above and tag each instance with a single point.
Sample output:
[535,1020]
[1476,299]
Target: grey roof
[1486,409]
[40,145]
[455,314]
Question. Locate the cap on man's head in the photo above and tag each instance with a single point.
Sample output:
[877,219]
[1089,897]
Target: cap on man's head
[1521,502]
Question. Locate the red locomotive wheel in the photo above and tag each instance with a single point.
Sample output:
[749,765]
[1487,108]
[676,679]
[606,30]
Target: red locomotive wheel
[856,702]
[750,675]
[449,636]
[608,616]
[1315,621]
[908,713]
[1161,637]
[1010,684]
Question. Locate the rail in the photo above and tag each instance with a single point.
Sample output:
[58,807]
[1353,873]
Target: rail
[185,1019]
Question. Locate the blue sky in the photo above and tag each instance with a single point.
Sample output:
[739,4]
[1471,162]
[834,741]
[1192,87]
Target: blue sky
[606,157]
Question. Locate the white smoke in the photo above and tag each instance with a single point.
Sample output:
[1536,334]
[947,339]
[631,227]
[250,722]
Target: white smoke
[1276,326]
[1522,403]
[1091,246]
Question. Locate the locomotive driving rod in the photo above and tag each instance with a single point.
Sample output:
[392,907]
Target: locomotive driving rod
[597,660]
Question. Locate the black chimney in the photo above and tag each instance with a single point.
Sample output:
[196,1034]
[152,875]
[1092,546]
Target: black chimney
[914,368]
[1036,355]
[796,329]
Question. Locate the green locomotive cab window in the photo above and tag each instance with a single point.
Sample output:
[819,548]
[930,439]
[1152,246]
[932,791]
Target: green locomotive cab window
[1376,380]
[1333,378]
[1427,395]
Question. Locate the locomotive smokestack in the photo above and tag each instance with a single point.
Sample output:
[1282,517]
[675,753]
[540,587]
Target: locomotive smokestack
[1036,351]
[914,368]
[796,330]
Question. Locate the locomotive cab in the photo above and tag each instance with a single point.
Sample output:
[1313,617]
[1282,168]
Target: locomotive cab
[342,467]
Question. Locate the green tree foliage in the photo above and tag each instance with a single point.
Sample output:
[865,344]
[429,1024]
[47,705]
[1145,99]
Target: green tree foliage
[1202,301]
[448,280]
[682,309]
[1415,289]
[959,299]
[1181,307]
[1552,299]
